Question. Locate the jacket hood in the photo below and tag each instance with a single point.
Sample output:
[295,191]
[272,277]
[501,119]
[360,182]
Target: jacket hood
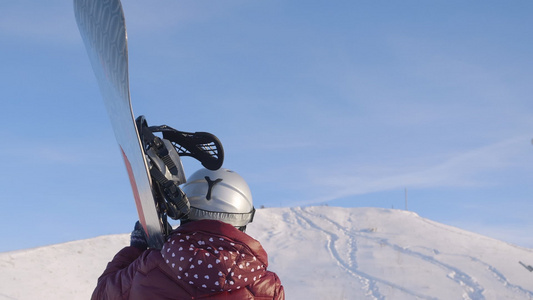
[213,256]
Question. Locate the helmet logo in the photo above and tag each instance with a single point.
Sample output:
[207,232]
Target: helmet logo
[211,184]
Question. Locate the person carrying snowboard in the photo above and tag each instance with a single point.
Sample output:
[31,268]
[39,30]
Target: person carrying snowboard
[209,256]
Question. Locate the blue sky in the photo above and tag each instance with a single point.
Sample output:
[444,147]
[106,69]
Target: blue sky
[345,103]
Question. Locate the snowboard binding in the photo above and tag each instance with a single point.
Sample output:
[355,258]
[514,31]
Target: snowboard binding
[166,170]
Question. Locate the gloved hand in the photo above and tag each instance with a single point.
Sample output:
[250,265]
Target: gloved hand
[138,237]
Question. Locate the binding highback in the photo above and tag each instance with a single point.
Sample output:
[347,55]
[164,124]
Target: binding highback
[166,169]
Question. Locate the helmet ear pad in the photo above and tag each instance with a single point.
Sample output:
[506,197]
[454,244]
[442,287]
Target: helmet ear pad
[219,195]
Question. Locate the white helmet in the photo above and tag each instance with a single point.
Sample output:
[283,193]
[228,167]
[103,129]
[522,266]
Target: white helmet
[219,195]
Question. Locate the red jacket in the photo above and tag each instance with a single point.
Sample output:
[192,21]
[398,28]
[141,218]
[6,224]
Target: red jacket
[201,260]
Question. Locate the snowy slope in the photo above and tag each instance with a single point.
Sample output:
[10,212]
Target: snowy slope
[319,253]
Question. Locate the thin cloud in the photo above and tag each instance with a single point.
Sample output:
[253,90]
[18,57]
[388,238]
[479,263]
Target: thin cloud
[468,169]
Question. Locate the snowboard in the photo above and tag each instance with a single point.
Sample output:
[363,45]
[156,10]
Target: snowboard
[103,29]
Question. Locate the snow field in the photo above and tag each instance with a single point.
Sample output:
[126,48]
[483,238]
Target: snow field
[319,253]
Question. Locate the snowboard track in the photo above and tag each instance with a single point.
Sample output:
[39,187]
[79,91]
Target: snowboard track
[491,269]
[472,289]
[470,286]
[369,282]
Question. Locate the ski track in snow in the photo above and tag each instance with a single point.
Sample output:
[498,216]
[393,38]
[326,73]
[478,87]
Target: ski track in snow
[491,269]
[369,281]
[471,287]
[473,290]
[350,267]
[3,296]
[500,277]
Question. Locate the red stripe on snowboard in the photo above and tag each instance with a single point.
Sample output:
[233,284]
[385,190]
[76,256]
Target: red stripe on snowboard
[135,192]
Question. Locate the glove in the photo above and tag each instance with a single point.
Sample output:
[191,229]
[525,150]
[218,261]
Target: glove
[138,237]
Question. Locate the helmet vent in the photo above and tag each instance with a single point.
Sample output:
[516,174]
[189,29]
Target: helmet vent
[211,184]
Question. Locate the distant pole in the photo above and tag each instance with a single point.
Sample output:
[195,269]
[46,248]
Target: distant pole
[406,199]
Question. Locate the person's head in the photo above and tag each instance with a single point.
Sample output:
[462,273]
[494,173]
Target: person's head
[221,195]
